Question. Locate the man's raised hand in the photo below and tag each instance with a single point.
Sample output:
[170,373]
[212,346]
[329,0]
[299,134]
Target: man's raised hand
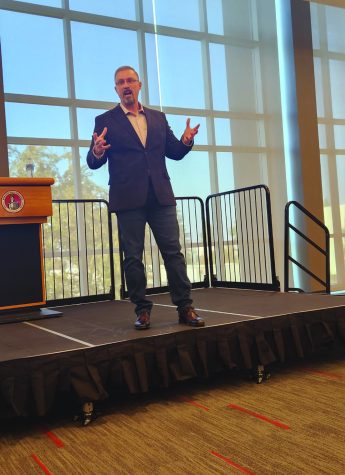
[189,133]
[100,144]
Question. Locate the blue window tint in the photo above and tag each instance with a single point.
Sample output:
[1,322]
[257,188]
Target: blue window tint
[86,122]
[178,124]
[97,52]
[152,70]
[337,72]
[148,11]
[33,54]
[319,88]
[219,82]
[243,76]
[335,18]
[183,172]
[124,9]
[339,138]
[240,18]
[225,169]
[48,3]
[247,133]
[178,14]
[181,73]
[215,21]
[315,25]
[31,120]
[322,136]
[249,169]
[222,131]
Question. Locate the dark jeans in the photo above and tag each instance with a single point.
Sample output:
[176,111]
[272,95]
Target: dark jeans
[163,222]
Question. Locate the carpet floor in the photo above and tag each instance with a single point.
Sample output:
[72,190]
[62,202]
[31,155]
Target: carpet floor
[290,424]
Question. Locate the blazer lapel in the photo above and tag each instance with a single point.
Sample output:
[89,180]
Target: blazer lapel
[149,126]
[125,124]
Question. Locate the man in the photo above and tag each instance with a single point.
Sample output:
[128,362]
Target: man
[135,141]
[13,204]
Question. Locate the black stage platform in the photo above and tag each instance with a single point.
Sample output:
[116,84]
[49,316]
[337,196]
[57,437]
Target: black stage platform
[93,350]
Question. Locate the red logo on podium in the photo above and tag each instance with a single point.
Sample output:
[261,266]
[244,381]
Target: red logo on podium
[12,201]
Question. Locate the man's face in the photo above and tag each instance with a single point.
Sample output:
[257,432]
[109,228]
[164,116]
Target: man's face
[127,86]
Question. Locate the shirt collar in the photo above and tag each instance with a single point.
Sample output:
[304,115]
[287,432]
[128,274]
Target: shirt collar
[126,111]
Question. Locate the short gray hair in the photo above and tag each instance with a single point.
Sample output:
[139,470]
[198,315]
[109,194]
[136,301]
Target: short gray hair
[123,68]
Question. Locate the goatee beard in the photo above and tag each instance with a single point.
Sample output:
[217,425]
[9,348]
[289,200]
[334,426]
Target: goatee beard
[129,100]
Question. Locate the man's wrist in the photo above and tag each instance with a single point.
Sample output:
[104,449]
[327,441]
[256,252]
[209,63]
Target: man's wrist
[97,155]
[188,143]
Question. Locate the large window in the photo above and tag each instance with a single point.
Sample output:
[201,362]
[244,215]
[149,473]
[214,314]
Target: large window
[328,24]
[33,54]
[198,62]
[94,46]
[214,61]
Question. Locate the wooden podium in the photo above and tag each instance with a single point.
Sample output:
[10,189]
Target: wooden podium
[25,204]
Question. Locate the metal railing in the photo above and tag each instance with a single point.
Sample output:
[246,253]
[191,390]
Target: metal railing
[323,251]
[82,250]
[240,239]
[78,252]
[191,218]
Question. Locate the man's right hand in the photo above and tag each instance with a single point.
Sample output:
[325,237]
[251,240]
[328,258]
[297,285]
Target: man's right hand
[100,144]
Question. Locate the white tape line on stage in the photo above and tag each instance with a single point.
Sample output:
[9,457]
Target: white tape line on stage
[295,312]
[212,311]
[59,334]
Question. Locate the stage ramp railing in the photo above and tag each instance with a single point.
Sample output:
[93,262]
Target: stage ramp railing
[191,219]
[296,218]
[240,239]
[78,253]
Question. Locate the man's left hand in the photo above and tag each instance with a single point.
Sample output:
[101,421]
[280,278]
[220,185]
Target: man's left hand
[189,133]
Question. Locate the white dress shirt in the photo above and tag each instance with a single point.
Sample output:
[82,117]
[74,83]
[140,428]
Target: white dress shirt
[138,121]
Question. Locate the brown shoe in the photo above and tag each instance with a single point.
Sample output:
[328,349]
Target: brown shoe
[188,316]
[143,320]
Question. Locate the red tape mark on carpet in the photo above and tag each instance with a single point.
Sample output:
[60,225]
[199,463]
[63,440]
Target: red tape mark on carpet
[324,374]
[41,464]
[189,401]
[233,464]
[259,416]
[58,442]
[53,437]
